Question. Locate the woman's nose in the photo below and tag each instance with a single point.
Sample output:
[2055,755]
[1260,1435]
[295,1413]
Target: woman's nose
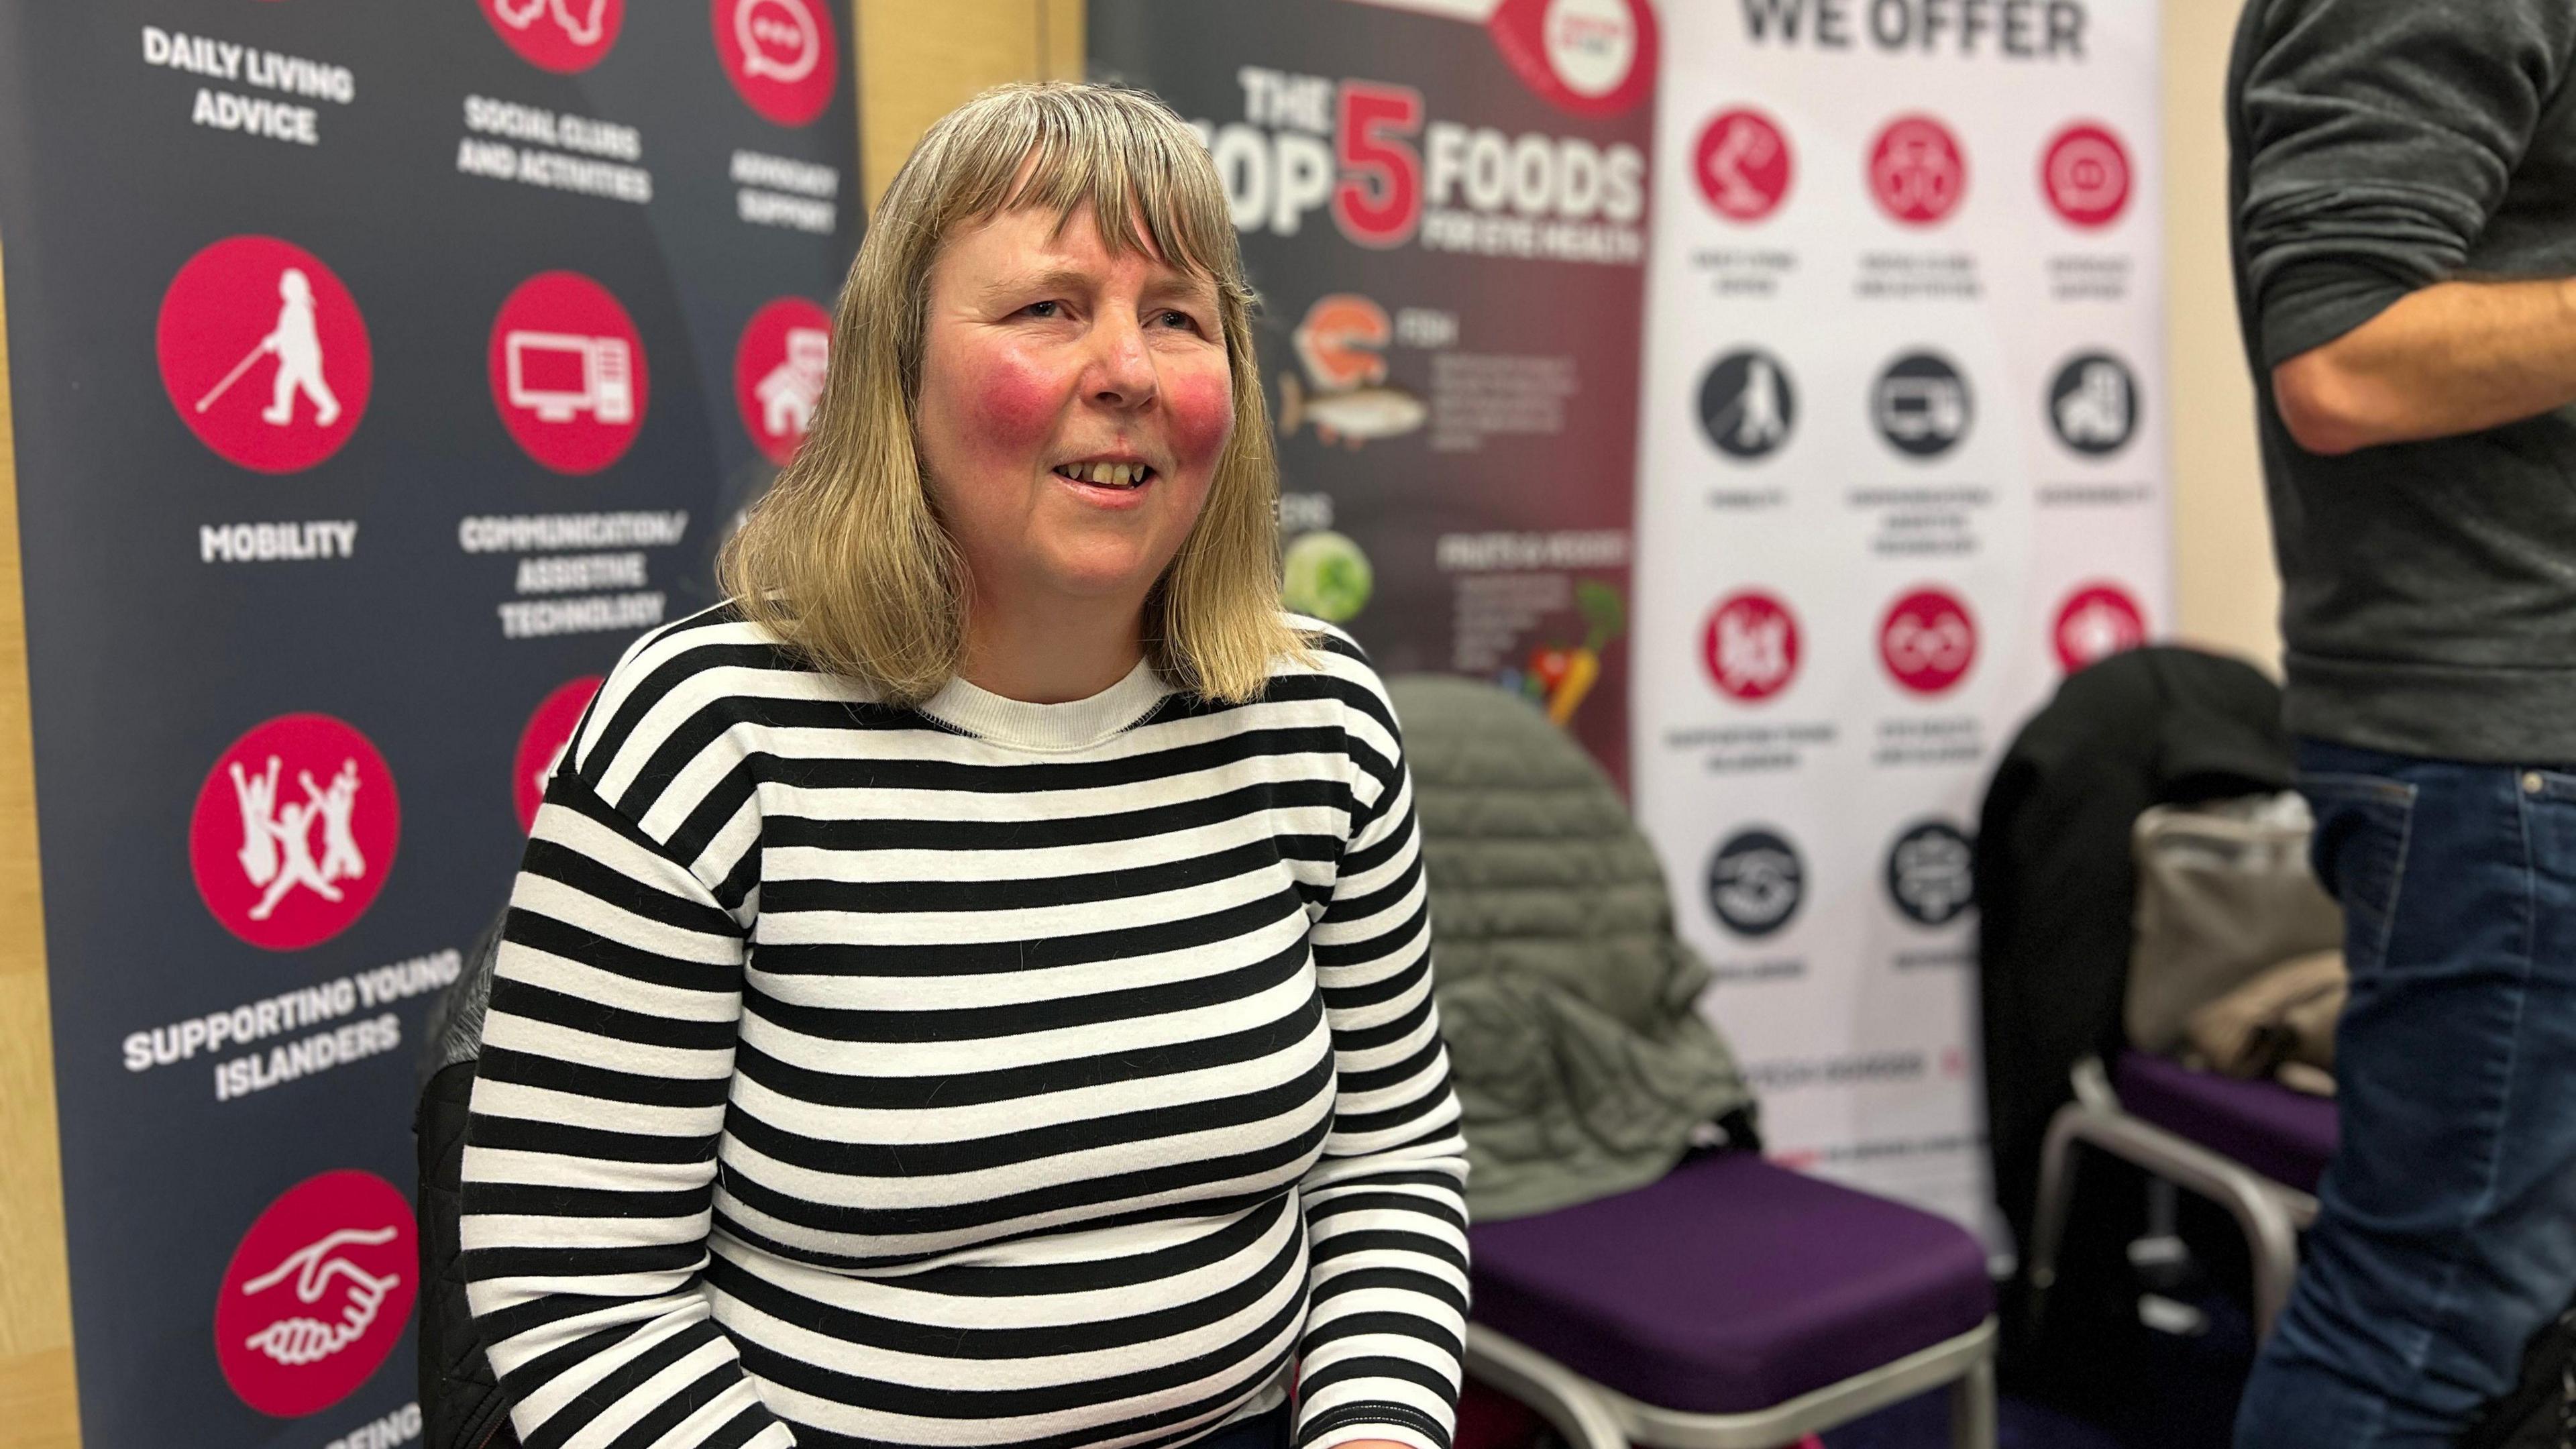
[1124,374]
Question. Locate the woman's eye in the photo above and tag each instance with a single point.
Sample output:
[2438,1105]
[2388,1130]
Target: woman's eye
[1180,319]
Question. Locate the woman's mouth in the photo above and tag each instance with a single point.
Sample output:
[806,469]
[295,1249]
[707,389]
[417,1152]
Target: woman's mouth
[1122,476]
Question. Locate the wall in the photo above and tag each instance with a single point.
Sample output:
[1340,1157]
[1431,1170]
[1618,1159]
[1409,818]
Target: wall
[2222,545]
[919,58]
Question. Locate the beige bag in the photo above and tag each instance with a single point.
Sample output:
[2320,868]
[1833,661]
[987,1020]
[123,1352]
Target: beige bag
[2280,1024]
[2224,892]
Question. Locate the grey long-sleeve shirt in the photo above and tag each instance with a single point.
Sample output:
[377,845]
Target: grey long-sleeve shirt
[2379,146]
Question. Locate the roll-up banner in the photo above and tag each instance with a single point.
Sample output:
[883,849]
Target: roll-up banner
[1444,206]
[1904,467]
[378,372]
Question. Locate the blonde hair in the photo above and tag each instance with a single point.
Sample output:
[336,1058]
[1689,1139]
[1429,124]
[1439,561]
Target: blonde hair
[846,559]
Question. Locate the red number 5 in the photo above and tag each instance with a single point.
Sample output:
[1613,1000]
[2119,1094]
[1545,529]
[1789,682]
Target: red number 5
[1380,198]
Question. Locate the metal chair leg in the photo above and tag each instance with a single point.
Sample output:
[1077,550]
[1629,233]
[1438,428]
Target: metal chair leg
[1561,1396]
[2270,1213]
[1972,1409]
[2056,1199]
[2275,1244]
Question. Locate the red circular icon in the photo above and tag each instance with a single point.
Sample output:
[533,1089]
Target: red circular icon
[543,742]
[568,372]
[2095,622]
[1587,57]
[1917,171]
[562,36]
[2085,175]
[264,354]
[317,1293]
[1743,164]
[778,373]
[782,55]
[294,832]
[1928,641]
[1750,646]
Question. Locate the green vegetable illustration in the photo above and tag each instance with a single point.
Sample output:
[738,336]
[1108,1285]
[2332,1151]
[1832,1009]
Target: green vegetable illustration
[1325,574]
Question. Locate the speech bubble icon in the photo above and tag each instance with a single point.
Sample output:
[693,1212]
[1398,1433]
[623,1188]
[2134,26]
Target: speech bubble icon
[780,39]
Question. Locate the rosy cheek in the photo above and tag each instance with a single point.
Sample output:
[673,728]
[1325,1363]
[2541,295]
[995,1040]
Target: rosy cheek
[1202,414]
[1011,404]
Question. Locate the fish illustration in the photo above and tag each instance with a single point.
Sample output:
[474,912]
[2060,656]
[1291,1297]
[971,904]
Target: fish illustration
[1351,416]
[1343,341]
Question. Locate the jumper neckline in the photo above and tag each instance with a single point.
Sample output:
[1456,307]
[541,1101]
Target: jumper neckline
[1052,728]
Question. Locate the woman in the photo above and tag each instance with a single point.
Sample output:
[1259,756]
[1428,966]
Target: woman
[975,989]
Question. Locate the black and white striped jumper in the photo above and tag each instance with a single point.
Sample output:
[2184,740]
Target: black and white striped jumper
[985,1073]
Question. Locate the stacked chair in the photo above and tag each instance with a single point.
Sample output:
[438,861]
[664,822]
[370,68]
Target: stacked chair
[2254,1147]
[1630,1286]
[2056,884]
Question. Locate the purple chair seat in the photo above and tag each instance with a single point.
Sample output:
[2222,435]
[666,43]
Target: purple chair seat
[2286,1136]
[1729,1285]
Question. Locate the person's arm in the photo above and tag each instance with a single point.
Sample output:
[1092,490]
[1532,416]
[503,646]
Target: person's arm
[2377,139]
[1386,1207]
[2454,357]
[590,1156]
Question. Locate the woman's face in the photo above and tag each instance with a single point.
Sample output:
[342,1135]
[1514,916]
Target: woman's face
[1073,404]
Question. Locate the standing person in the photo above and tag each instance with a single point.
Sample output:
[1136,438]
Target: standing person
[2404,194]
[975,988]
[297,342]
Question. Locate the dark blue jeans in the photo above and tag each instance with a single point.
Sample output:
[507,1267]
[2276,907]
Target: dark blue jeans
[2446,1232]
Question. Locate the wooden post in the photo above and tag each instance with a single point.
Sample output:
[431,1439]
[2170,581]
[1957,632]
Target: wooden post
[37,1406]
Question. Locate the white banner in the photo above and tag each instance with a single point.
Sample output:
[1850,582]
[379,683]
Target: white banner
[1903,466]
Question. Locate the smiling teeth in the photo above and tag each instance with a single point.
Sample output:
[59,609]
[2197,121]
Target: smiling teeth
[1110,475]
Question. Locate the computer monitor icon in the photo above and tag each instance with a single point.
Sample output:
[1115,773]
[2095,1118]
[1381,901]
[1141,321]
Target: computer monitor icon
[1922,409]
[560,375]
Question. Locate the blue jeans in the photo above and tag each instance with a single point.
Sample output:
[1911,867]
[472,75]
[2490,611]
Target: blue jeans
[2446,1230]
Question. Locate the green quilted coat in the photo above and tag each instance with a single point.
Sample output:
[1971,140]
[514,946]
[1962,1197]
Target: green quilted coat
[1568,1003]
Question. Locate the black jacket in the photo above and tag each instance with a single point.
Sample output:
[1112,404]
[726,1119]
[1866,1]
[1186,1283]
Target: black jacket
[2055,884]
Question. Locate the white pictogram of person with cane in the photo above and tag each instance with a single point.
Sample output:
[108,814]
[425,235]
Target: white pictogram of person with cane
[1761,421]
[297,345]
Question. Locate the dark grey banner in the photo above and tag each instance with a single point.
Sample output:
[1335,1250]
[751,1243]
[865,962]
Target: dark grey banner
[379,371]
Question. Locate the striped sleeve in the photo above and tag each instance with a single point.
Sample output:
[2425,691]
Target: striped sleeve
[590,1157]
[1386,1209]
